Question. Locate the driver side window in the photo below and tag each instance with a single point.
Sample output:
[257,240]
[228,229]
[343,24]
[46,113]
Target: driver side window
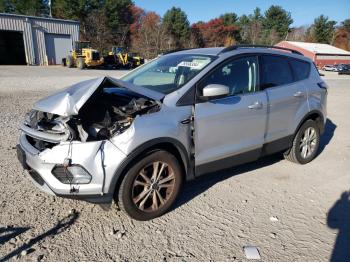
[241,76]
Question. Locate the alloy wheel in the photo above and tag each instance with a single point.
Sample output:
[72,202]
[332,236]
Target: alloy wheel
[308,142]
[153,186]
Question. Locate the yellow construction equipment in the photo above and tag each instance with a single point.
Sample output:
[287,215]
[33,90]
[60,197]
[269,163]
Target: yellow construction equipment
[120,58]
[83,56]
[137,60]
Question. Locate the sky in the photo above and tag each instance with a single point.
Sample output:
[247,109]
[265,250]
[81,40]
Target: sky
[303,12]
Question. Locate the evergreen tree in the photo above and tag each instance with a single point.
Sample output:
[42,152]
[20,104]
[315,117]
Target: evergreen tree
[25,7]
[346,24]
[119,18]
[6,6]
[276,24]
[229,19]
[115,17]
[177,25]
[74,9]
[323,29]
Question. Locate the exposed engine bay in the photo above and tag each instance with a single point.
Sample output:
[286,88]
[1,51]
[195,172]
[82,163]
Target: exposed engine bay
[108,112]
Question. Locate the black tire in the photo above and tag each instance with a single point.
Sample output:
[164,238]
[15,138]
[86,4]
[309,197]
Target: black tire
[80,63]
[295,153]
[63,62]
[69,62]
[128,191]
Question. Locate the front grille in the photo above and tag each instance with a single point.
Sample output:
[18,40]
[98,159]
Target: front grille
[95,56]
[37,178]
[39,144]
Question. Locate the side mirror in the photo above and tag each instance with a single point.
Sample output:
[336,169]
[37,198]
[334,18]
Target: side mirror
[215,91]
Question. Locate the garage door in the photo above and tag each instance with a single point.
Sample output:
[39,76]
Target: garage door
[57,47]
[12,48]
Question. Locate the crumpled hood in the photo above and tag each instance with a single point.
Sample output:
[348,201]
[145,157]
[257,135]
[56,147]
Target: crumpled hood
[69,101]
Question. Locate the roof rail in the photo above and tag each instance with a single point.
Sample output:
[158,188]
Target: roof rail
[175,50]
[234,47]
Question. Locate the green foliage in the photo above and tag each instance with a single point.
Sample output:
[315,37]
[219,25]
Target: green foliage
[113,17]
[256,16]
[118,13]
[243,20]
[119,18]
[323,29]
[277,20]
[229,19]
[346,24]
[6,6]
[74,9]
[251,27]
[24,7]
[176,23]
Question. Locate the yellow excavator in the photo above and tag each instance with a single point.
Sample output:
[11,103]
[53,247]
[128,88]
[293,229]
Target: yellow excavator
[83,56]
[120,58]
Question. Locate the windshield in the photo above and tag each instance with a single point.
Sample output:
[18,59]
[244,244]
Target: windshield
[168,73]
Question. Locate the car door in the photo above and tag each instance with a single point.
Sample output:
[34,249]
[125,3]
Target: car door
[287,97]
[230,130]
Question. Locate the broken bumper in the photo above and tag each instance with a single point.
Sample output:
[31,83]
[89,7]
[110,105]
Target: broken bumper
[101,159]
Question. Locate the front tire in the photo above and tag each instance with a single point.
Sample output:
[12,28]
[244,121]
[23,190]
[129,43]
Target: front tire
[69,62]
[151,186]
[80,63]
[305,144]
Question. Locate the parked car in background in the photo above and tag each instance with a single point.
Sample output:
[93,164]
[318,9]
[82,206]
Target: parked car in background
[182,115]
[332,68]
[344,69]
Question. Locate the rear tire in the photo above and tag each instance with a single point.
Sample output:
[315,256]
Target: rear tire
[80,63]
[145,194]
[305,144]
[69,62]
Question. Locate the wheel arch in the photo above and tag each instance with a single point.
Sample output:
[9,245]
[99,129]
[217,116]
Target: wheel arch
[168,144]
[315,115]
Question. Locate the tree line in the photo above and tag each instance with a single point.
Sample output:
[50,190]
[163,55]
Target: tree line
[108,23]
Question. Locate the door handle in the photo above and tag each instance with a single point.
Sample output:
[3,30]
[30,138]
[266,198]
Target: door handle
[299,94]
[256,105]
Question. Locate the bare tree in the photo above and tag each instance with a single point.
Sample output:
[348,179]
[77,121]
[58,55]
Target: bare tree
[297,34]
[151,36]
[254,31]
[97,31]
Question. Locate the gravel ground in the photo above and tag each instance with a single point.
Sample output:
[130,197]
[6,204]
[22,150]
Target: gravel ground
[279,207]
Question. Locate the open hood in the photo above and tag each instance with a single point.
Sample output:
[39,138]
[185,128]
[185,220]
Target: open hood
[69,101]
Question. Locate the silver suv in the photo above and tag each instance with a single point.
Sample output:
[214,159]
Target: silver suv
[184,114]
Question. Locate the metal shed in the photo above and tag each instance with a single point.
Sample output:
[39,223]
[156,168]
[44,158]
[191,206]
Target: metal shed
[35,40]
[321,54]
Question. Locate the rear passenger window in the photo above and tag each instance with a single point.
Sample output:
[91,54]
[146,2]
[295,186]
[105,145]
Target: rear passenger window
[275,72]
[301,69]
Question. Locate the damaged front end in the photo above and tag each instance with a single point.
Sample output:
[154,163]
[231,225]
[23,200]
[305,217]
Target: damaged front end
[65,139]
[108,111]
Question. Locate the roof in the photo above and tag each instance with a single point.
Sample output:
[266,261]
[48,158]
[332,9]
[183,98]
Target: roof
[317,48]
[40,18]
